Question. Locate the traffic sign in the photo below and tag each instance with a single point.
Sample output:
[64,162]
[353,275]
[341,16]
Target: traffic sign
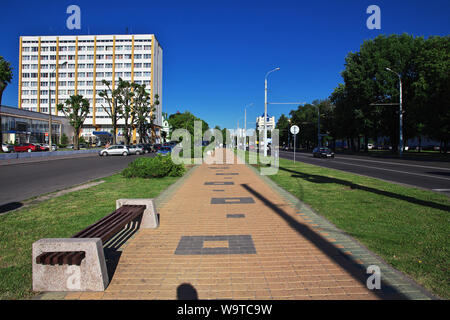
[295,129]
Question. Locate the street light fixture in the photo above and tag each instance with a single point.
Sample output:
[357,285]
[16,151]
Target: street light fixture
[265,109]
[400,142]
[50,107]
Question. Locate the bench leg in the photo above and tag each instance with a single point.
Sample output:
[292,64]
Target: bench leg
[91,275]
[149,218]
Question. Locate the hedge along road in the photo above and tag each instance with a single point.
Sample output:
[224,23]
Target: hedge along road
[19,182]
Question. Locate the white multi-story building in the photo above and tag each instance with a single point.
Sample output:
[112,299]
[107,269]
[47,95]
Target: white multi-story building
[270,122]
[90,59]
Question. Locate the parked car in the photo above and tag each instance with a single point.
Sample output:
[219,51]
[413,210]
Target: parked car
[157,146]
[134,149]
[114,150]
[147,147]
[46,147]
[7,147]
[323,152]
[26,147]
[164,151]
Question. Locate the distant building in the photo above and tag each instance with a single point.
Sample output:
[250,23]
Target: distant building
[32,127]
[165,126]
[260,122]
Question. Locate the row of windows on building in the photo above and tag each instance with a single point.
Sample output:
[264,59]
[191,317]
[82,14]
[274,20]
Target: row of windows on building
[86,48]
[85,57]
[88,74]
[86,66]
[80,83]
[61,93]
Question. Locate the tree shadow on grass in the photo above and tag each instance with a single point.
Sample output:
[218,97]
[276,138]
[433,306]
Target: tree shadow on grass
[357,271]
[314,178]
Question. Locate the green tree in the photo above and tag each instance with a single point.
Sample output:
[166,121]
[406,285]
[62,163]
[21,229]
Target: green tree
[432,89]
[126,111]
[113,109]
[5,78]
[283,126]
[64,140]
[76,109]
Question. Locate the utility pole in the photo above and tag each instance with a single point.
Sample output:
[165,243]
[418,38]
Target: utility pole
[400,140]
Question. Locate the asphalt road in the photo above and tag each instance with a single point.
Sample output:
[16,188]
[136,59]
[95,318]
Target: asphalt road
[19,182]
[423,174]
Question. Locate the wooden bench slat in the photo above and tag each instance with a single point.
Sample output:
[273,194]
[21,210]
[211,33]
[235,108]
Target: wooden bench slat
[97,229]
[106,232]
[104,220]
[104,228]
[60,257]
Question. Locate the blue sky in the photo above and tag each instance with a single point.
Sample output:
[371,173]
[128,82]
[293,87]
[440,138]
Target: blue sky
[216,52]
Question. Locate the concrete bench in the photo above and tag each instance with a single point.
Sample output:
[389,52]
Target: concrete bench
[78,263]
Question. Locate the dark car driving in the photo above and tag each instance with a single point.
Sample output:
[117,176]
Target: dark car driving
[323,152]
[147,147]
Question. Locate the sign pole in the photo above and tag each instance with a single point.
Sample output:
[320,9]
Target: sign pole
[294,146]
[294,130]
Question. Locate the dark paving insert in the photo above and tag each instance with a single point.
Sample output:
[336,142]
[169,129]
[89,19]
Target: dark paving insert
[219,190]
[219,168]
[236,215]
[227,174]
[232,200]
[237,244]
[219,183]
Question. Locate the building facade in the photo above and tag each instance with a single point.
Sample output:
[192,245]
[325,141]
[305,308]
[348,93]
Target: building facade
[260,123]
[20,126]
[90,59]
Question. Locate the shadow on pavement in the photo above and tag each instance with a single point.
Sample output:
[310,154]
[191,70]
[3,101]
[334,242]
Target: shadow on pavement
[323,179]
[186,291]
[112,247]
[357,271]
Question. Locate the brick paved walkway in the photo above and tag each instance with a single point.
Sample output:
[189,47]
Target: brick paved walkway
[229,234]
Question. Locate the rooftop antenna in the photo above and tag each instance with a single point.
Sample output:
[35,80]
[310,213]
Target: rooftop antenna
[126,30]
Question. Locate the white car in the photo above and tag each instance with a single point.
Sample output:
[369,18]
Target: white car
[134,149]
[7,147]
[119,150]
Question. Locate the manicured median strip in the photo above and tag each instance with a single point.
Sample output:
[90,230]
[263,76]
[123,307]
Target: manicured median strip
[405,226]
[59,218]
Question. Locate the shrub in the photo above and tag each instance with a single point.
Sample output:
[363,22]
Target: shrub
[157,167]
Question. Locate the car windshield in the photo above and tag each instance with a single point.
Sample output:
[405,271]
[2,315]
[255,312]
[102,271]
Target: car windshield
[324,149]
[165,149]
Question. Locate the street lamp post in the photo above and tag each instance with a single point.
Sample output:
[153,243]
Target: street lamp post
[400,142]
[50,132]
[265,110]
[245,123]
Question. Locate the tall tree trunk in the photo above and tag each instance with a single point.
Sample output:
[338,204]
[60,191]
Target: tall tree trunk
[366,142]
[76,139]
[1,128]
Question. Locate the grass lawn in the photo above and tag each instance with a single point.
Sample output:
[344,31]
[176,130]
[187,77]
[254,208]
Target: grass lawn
[59,218]
[407,227]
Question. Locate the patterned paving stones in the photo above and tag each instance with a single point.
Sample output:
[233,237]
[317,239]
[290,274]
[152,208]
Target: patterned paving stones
[272,253]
